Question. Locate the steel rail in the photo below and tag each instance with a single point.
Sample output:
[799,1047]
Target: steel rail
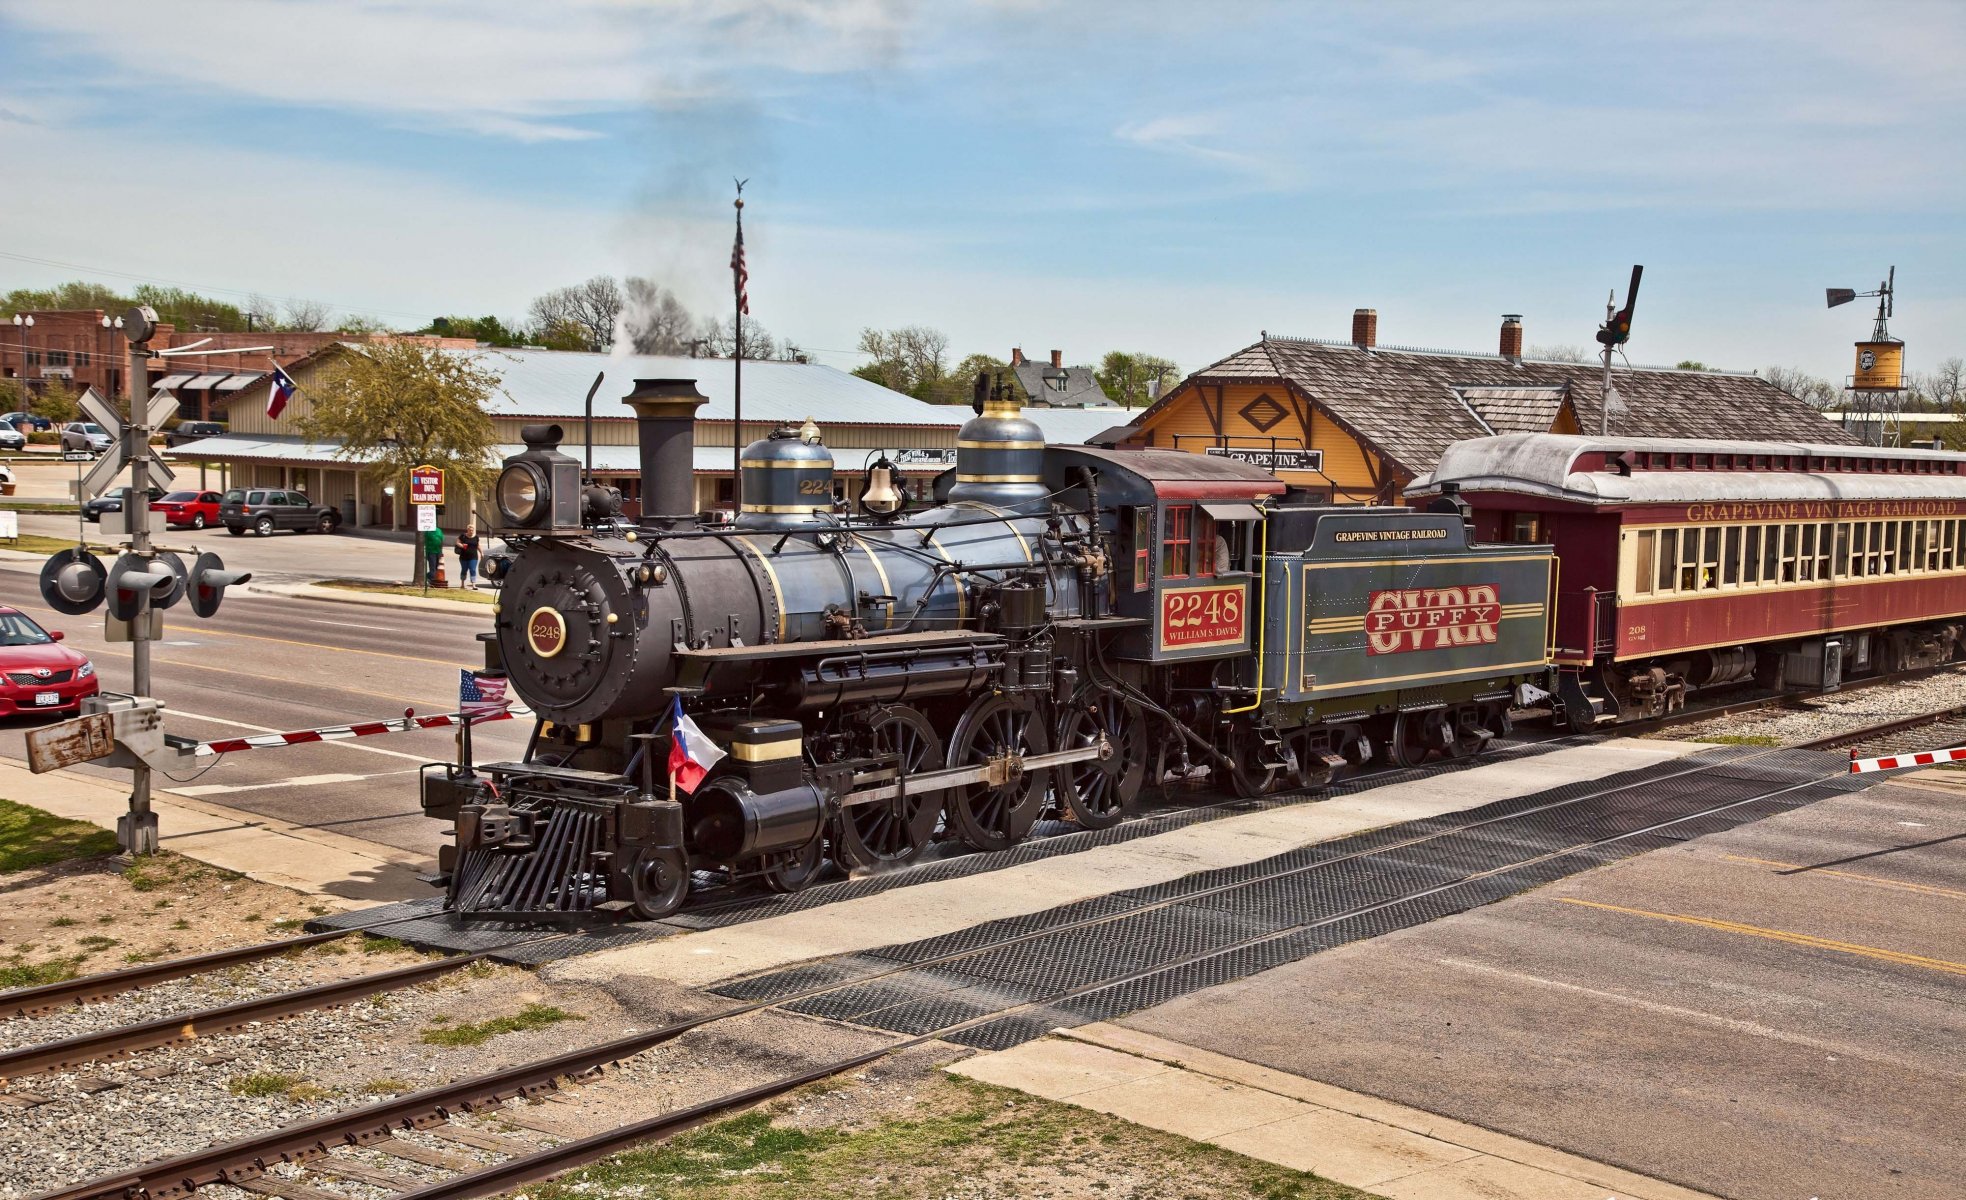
[1853,737]
[246,1158]
[164,1031]
[545,1164]
[47,997]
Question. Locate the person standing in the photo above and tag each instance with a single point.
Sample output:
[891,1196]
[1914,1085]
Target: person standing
[433,555]
[467,558]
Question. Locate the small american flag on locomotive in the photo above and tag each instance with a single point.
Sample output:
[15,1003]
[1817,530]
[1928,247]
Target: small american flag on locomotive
[480,696]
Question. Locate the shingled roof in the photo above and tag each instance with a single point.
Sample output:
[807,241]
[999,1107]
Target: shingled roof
[1410,405]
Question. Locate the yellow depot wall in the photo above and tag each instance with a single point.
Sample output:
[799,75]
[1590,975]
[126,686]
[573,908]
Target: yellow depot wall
[1189,422]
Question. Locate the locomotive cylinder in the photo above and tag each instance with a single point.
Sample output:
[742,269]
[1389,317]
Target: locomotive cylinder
[731,822]
[665,427]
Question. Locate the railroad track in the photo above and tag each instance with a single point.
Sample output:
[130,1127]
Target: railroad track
[1948,720]
[1550,839]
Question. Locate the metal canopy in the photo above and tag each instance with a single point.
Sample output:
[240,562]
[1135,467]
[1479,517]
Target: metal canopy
[172,381]
[1226,511]
[205,381]
[238,382]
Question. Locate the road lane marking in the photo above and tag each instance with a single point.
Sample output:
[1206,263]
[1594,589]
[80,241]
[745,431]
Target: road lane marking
[359,625]
[198,666]
[297,781]
[1782,935]
[1926,889]
[441,662]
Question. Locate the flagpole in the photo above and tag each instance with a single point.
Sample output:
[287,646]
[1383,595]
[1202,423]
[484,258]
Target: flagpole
[738,270]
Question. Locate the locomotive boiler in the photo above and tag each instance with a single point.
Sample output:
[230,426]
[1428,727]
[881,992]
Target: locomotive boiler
[1060,627]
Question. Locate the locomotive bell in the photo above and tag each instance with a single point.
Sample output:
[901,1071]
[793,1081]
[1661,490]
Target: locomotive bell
[538,491]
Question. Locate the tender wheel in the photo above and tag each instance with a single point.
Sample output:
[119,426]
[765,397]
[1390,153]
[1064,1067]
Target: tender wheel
[661,884]
[1413,738]
[263,527]
[1248,777]
[197,520]
[994,818]
[1100,793]
[796,870]
[893,832]
[1467,736]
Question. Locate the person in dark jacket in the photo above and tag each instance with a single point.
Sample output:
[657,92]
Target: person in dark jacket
[467,558]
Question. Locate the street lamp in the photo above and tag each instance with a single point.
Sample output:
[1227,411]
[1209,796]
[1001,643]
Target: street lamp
[23,319]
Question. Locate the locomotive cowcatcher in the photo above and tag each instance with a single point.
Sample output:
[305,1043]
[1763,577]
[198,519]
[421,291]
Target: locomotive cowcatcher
[1061,627]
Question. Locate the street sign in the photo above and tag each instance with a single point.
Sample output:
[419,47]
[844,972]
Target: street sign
[77,456]
[125,522]
[1272,460]
[426,518]
[426,485]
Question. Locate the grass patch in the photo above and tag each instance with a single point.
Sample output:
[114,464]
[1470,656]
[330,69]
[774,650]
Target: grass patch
[19,974]
[32,838]
[96,942]
[473,1033]
[961,1133]
[287,1087]
[377,944]
[387,1087]
[1740,739]
[63,922]
[397,589]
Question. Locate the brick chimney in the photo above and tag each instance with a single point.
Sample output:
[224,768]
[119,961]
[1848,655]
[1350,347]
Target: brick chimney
[1365,327]
[1512,336]
[1016,356]
[1057,358]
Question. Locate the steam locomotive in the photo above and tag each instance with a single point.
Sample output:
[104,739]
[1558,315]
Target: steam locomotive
[1062,626]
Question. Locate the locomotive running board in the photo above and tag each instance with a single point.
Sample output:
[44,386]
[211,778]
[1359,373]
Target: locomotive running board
[996,772]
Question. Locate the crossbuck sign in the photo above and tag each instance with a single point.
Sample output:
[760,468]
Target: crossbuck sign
[125,450]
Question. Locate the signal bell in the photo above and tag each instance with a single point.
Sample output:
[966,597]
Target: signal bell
[72,582]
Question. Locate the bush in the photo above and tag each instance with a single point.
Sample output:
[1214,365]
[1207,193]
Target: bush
[45,437]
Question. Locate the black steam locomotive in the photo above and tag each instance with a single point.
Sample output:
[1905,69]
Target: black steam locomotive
[1063,625]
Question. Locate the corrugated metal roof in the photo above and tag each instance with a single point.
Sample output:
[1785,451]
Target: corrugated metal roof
[270,449]
[243,380]
[1072,426]
[607,459]
[205,381]
[178,379]
[551,383]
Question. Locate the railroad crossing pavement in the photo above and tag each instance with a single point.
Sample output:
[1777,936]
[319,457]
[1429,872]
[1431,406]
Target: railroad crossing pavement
[1770,1012]
[268,663]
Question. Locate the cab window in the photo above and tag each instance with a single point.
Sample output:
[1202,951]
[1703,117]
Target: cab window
[1143,547]
[1177,542]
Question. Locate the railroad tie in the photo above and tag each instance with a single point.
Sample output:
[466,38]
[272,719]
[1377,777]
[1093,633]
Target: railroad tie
[284,1189]
[481,1140]
[429,1157]
[361,1172]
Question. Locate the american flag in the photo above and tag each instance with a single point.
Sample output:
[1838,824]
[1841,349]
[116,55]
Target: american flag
[480,695]
[740,276]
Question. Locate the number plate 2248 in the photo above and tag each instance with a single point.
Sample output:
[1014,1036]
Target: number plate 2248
[1203,616]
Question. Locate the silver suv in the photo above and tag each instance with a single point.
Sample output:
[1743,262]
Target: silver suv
[85,435]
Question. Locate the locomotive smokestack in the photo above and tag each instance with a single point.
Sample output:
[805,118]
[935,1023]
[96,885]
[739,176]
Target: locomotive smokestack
[665,425]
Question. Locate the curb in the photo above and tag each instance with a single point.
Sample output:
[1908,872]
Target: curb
[308,591]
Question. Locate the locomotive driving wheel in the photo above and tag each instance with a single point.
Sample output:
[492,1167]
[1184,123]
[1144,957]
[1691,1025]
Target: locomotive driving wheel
[996,728]
[892,832]
[1248,777]
[795,869]
[1100,793]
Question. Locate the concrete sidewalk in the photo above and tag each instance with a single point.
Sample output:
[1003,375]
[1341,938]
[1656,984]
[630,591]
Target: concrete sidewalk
[312,591]
[1397,1152]
[343,871]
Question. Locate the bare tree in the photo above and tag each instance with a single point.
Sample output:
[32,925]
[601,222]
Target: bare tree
[653,321]
[592,308]
[718,339]
[262,312]
[912,359]
[306,316]
[1564,354]
[1811,389]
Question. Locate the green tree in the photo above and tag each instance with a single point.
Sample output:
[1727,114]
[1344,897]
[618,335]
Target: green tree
[911,359]
[489,330]
[73,294]
[1689,364]
[59,403]
[1135,379]
[395,405]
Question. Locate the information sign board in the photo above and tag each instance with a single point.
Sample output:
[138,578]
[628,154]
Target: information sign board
[426,518]
[426,485]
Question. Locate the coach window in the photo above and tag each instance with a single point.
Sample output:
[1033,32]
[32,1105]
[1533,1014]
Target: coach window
[1919,548]
[1947,544]
[1525,528]
[1840,562]
[1668,558]
[1176,542]
[1645,546]
[1751,554]
[1889,564]
[1859,534]
[1730,562]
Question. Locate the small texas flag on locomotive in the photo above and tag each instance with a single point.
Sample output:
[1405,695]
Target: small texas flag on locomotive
[278,395]
[693,753]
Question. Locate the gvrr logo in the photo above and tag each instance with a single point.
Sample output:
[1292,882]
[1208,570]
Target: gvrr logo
[1398,622]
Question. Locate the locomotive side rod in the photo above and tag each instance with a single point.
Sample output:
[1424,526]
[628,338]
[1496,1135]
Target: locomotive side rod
[996,772]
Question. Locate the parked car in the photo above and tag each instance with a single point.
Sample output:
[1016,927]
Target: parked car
[191,431]
[264,510]
[112,501]
[85,435]
[12,439]
[31,422]
[193,510]
[37,674]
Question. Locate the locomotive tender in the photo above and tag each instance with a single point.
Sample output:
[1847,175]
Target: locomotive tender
[1062,626]
[1690,564]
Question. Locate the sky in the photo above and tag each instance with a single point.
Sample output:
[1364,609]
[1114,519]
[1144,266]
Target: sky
[1162,177]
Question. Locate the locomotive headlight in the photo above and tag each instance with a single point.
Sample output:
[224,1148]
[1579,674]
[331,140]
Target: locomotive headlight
[644,574]
[521,493]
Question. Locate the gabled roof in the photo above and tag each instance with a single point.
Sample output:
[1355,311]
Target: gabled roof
[1409,404]
[1516,410]
[1081,386]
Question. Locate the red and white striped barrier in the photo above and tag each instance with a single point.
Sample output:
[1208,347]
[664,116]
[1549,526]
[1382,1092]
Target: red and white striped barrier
[337,733]
[1892,762]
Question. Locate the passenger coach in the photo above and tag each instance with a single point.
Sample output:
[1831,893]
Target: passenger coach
[1693,564]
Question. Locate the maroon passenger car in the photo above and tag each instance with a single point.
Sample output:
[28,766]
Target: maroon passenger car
[1691,564]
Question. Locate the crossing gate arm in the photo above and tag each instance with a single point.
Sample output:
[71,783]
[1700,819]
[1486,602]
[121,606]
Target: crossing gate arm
[406,723]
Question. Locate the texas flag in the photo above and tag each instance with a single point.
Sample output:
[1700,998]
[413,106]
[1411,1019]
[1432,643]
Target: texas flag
[693,753]
[281,392]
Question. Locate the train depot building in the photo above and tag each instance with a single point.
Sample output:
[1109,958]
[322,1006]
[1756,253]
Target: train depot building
[1354,422]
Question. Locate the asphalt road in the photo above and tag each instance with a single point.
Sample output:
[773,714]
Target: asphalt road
[1772,1013]
[281,558]
[270,663]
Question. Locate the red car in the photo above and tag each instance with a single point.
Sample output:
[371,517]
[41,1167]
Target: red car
[193,509]
[37,674]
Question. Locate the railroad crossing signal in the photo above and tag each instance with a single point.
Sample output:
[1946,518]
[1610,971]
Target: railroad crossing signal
[124,450]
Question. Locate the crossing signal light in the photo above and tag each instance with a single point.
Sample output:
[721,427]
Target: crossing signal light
[72,581]
[132,579]
[208,582]
[1618,330]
